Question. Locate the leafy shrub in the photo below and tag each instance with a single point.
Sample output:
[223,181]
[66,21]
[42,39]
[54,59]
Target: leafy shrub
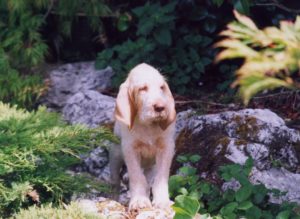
[71,211]
[36,150]
[271,56]
[179,52]
[249,201]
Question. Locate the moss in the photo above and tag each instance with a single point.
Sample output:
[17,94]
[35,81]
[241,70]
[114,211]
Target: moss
[246,127]
[203,143]
[297,149]
[224,141]
[240,142]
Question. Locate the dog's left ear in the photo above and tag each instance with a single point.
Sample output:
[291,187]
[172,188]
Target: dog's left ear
[164,124]
[125,110]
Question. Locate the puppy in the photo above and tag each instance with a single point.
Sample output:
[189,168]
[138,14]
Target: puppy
[145,121]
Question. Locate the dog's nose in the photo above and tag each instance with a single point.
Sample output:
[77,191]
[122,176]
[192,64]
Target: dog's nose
[158,108]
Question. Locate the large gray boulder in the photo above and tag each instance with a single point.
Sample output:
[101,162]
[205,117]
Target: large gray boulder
[90,108]
[234,136]
[68,79]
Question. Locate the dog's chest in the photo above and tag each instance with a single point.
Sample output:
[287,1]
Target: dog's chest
[148,148]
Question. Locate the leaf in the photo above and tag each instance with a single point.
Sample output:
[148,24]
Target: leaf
[200,67]
[169,7]
[210,25]
[182,158]
[253,213]
[246,5]
[266,83]
[163,36]
[297,23]
[139,11]
[194,158]
[284,214]
[175,183]
[245,205]
[205,188]
[144,28]
[187,170]
[185,207]
[123,22]
[245,20]
[234,49]
[183,191]
[229,208]
[218,2]
[243,193]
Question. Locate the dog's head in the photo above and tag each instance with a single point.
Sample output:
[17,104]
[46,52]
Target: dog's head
[145,96]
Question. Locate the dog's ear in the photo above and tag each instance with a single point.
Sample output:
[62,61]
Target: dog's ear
[171,109]
[125,110]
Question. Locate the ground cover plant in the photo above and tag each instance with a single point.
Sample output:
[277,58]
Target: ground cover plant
[194,195]
[45,212]
[36,151]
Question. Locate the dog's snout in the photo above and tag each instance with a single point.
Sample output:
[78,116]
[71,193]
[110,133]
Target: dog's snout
[158,108]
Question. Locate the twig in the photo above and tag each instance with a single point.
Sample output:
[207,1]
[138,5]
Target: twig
[273,95]
[278,5]
[199,101]
[49,9]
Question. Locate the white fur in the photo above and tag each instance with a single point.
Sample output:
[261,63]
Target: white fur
[147,146]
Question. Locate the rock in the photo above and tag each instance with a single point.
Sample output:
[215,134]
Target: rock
[234,136]
[90,108]
[281,179]
[113,209]
[95,161]
[68,79]
[88,206]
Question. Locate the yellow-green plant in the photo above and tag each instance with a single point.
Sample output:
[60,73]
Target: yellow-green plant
[71,211]
[271,55]
[36,151]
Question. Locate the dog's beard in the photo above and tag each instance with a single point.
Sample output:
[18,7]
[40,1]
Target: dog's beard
[150,116]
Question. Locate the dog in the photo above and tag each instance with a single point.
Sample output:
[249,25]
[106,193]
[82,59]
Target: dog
[145,122]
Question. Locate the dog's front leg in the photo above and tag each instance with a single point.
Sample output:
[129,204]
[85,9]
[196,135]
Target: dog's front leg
[139,189]
[160,188]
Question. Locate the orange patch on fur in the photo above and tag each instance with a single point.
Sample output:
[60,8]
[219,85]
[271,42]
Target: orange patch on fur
[160,143]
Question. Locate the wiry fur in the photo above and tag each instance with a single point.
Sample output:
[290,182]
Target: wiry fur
[147,136]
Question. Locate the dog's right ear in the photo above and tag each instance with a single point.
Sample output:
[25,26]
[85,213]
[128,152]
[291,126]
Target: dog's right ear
[125,110]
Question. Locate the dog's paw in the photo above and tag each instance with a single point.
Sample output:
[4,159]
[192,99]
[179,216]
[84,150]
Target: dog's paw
[162,203]
[138,202]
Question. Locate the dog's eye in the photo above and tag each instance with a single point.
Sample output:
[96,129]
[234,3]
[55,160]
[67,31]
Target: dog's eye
[144,88]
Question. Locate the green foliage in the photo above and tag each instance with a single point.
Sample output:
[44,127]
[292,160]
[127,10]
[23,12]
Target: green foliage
[271,56]
[243,6]
[36,150]
[71,211]
[157,40]
[185,207]
[69,9]
[22,48]
[192,194]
